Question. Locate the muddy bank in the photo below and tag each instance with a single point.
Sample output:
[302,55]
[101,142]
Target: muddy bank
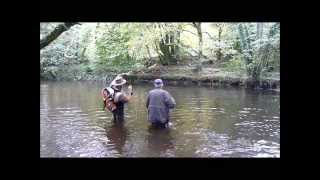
[207,76]
[205,81]
[188,74]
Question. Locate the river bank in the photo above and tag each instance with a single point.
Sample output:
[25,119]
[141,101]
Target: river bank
[207,76]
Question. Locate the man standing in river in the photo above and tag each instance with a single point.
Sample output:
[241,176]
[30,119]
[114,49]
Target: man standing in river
[120,98]
[159,102]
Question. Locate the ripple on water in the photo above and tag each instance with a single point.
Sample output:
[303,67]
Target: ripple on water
[244,112]
[68,108]
[68,131]
[217,146]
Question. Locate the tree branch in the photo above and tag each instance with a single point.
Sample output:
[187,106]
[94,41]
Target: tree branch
[210,36]
[190,32]
[55,34]
[194,50]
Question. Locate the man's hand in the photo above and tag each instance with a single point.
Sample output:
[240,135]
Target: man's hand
[130,90]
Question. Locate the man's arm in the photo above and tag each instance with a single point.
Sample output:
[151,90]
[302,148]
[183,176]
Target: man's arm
[123,98]
[129,94]
[103,98]
[171,103]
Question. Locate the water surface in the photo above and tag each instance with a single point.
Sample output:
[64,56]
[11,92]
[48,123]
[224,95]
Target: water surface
[207,122]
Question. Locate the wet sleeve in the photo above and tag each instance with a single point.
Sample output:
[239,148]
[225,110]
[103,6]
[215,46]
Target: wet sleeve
[171,103]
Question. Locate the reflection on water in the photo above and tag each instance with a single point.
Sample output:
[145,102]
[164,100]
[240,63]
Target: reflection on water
[207,122]
[160,142]
[117,134]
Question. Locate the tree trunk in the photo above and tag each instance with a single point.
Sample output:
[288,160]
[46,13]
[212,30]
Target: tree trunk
[148,50]
[198,27]
[245,42]
[259,30]
[219,41]
[55,34]
[177,47]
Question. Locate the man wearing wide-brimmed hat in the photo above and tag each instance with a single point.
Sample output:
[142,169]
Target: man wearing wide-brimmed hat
[120,98]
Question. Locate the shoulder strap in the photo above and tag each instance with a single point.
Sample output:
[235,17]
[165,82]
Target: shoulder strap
[104,95]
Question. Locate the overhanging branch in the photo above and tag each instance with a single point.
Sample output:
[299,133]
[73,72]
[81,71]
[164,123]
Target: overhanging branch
[55,34]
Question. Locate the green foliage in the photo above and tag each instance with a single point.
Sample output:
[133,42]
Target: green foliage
[96,49]
[234,65]
[168,51]
[260,48]
[61,53]
[113,49]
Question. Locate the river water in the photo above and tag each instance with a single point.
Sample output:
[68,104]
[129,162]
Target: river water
[207,122]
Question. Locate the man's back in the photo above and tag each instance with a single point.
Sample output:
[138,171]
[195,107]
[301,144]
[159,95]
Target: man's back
[157,97]
[158,103]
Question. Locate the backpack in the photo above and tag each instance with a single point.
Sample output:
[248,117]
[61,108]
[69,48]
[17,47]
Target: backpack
[108,99]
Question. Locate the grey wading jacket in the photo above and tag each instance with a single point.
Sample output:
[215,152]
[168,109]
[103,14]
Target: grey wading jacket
[158,103]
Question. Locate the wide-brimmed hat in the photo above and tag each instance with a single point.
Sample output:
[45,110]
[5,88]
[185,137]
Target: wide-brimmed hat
[118,81]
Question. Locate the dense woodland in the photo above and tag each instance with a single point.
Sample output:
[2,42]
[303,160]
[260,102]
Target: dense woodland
[90,51]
